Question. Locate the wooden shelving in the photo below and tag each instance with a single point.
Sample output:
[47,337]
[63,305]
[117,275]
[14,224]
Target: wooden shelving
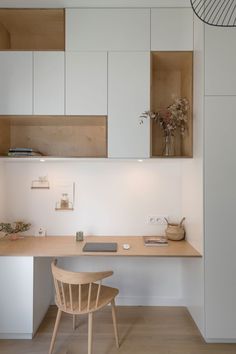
[32,29]
[171,77]
[56,136]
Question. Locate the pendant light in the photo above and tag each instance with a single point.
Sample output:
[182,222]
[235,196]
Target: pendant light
[221,13]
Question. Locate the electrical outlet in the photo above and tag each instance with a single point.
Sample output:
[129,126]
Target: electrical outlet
[157,219]
[40,232]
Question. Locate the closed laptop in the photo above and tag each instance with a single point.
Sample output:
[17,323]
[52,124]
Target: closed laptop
[100,247]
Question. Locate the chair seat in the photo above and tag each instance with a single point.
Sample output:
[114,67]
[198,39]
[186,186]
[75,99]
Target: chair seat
[107,294]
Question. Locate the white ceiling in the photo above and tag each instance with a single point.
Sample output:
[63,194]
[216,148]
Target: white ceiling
[92,3]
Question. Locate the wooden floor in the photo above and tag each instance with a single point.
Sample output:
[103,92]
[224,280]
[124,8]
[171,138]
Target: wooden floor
[143,330]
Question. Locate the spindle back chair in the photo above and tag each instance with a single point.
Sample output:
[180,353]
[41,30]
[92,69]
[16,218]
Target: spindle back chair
[82,293]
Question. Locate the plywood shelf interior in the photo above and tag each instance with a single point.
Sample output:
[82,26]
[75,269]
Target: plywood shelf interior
[57,136]
[171,77]
[32,29]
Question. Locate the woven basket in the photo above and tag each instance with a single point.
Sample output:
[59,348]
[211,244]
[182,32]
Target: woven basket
[175,232]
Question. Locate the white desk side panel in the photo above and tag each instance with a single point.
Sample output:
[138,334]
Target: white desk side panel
[86,83]
[16,83]
[128,97]
[220,206]
[43,289]
[220,59]
[16,297]
[107,29]
[49,90]
[172,29]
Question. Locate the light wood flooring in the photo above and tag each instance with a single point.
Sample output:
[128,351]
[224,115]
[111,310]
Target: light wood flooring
[143,330]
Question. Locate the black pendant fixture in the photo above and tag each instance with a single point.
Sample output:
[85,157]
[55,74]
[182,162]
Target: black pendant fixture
[221,13]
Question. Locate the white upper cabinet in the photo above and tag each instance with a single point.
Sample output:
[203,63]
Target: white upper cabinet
[107,29]
[49,91]
[172,29]
[128,97]
[86,83]
[16,83]
[220,59]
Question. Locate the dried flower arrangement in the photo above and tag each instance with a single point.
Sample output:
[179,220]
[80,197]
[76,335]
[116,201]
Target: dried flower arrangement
[171,118]
[13,228]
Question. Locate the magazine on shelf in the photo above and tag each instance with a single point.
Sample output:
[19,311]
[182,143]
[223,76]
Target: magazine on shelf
[155,241]
[22,152]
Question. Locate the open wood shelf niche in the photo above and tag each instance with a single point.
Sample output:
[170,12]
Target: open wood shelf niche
[32,29]
[171,77]
[55,136]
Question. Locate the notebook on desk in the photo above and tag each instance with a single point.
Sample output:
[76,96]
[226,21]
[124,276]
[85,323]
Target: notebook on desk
[100,247]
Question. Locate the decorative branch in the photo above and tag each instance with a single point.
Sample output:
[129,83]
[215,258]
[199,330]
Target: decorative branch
[171,118]
[14,228]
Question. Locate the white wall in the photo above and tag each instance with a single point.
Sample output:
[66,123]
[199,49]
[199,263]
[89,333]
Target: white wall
[112,198]
[141,281]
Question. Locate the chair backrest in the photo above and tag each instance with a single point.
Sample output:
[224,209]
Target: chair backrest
[77,290]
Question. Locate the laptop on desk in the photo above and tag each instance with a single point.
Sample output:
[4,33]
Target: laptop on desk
[100,247]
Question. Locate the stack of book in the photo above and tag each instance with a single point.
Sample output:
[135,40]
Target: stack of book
[21,152]
[155,240]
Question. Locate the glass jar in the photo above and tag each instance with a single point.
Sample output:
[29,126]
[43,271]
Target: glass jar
[168,145]
[64,201]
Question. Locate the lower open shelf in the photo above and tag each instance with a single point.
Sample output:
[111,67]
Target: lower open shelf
[57,136]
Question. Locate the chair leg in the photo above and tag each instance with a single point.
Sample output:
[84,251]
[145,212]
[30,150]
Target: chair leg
[59,312]
[90,332]
[74,322]
[113,309]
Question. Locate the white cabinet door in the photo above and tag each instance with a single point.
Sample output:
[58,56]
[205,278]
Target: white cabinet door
[16,83]
[172,29]
[220,206]
[128,97]
[220,59]
[49,83]
[16,297]
[86,83]
[108,29]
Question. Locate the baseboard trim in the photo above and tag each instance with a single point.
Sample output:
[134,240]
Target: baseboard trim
[220,340]
[16,335]
[149,301]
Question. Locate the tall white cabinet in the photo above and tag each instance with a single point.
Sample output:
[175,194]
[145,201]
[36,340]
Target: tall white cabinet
[220,176]
[220,206]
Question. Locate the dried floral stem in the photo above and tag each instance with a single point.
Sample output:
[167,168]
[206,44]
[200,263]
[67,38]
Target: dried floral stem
[172,118]
[14,228]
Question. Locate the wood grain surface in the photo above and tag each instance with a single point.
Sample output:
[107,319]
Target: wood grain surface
[64,246]
[143,330]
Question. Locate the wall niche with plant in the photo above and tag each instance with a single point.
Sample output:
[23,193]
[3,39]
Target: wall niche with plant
[171,104]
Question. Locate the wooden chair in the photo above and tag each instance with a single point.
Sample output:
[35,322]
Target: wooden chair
[78,293]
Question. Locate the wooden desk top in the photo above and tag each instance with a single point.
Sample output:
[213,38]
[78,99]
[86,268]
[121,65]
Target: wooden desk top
[66,246]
